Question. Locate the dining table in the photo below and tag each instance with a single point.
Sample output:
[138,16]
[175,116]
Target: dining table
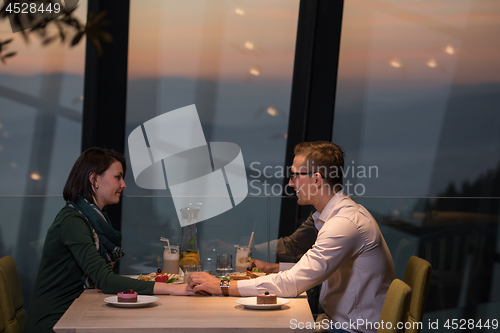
[90,313]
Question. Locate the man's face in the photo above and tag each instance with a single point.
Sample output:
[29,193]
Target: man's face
[302,180]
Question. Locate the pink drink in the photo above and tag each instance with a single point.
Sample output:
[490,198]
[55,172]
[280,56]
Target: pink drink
[171,259]
[242,260]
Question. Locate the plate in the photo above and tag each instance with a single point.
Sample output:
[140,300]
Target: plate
[135,277]
[142,301]
[251,303]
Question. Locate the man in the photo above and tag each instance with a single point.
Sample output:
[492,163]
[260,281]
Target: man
[349,257]
[290,248]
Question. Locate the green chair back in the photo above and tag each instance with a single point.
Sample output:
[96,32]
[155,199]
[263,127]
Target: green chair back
[11,298]
[395,309]
[417,276]
[2,320]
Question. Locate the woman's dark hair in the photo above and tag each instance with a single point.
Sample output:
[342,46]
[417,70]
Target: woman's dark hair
[93,160]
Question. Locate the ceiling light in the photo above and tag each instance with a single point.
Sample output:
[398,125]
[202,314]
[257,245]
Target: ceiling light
[255,72]
[249,45]
[431,63]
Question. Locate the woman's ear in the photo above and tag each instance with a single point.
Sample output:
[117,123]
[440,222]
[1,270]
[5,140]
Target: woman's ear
[92,178]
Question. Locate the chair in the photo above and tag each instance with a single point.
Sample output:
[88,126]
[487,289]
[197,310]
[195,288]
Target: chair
[12,315]
[460,258]
[2,321]
[395,309]
[417,276]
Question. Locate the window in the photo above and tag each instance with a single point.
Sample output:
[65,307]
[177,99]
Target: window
[234,61]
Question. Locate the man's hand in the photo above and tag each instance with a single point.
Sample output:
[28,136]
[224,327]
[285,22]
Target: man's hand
[204,282]
[266,267]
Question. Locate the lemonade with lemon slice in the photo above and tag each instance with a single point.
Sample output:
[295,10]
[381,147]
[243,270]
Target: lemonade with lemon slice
[190,257]
[190,254]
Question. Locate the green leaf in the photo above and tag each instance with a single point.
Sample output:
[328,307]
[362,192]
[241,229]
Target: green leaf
[77,38]
[105,36]
[10,54]
[172,280]
[6,42]
[191,241]
[97,46]
[49,40]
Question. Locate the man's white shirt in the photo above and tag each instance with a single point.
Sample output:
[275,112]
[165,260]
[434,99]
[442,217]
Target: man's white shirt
[351,260]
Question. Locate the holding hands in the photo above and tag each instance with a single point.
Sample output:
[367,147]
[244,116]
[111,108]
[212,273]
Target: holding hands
[204,282]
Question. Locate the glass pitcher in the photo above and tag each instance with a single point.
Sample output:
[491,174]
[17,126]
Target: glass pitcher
[190,254]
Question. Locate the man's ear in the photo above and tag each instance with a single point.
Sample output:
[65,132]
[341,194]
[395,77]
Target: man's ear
[317,178]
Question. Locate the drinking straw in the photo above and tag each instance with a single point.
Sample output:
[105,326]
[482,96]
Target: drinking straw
[163,239]
[250,245]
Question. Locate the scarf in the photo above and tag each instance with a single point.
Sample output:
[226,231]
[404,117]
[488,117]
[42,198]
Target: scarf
[107,239]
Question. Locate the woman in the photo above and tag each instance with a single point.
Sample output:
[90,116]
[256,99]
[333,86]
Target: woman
[81,245]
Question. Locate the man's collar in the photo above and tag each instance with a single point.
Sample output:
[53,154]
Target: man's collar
[320,218]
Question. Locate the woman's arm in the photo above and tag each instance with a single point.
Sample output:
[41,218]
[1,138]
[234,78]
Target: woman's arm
[77,237]
[172,289]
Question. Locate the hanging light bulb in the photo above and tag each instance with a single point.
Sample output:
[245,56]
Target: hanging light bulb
[449,49]
[272,111]
[396,63]
[35,176]
[431,63]
[249,46]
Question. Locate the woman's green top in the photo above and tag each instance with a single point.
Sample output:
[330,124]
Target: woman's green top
[69,255]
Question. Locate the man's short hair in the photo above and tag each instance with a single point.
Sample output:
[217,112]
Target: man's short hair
[324,157]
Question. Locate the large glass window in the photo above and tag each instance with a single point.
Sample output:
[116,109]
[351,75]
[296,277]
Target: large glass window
[41,101]
[418,94]
[234,61]
[417,104]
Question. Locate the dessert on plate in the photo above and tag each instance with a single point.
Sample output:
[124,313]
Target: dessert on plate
[267,298]
[127,296]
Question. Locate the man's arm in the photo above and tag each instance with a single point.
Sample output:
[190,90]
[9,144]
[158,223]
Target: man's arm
[338,242]
[293,247]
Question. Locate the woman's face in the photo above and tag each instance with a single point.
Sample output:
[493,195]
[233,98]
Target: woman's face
[109,186]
